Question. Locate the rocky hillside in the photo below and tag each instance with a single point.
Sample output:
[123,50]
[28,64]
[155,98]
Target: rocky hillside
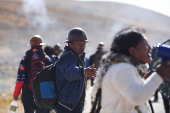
[52,20]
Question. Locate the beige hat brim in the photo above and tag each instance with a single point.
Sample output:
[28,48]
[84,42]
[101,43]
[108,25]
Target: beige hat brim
[39,44]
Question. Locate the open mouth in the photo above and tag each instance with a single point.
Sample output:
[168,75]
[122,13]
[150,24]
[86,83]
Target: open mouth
[149,54]
[82,51]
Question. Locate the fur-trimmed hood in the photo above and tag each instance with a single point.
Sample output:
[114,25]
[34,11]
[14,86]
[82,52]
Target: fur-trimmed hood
[113,58]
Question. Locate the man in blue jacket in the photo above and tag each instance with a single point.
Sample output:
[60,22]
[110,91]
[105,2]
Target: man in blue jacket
[71,69]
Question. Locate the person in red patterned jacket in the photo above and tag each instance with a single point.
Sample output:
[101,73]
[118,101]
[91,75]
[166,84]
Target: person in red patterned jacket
[36,52]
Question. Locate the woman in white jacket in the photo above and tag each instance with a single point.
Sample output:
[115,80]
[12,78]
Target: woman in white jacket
[123,88]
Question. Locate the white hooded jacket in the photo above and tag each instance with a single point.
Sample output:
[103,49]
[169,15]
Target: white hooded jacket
[123,89]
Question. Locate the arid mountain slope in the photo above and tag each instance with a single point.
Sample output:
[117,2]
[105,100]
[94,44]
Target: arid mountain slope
[101,20]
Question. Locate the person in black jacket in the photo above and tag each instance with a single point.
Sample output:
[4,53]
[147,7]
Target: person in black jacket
[96,57]
[35,53]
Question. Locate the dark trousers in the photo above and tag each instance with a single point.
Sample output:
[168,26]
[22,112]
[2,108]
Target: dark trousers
[30,107]
[166,104]
[156,95]
[77,109]
[92,81]
[150,103]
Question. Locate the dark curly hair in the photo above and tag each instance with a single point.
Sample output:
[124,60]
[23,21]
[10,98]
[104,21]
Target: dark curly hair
[126,38]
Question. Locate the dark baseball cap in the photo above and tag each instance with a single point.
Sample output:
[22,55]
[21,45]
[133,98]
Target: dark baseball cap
[57,46]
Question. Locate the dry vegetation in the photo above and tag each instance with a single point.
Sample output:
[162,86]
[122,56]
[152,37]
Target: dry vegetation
[5,104]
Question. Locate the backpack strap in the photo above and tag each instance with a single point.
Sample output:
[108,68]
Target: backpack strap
[97,103]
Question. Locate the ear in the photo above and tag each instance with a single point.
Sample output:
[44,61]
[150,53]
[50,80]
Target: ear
[132,51]
[70,45]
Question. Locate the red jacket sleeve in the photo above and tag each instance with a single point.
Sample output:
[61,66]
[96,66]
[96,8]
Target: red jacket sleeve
[18,88]
[20,77]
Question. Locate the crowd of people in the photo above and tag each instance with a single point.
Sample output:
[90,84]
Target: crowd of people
[120,77]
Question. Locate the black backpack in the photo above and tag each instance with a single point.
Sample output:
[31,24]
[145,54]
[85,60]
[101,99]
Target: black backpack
[44,88]
[96,105]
